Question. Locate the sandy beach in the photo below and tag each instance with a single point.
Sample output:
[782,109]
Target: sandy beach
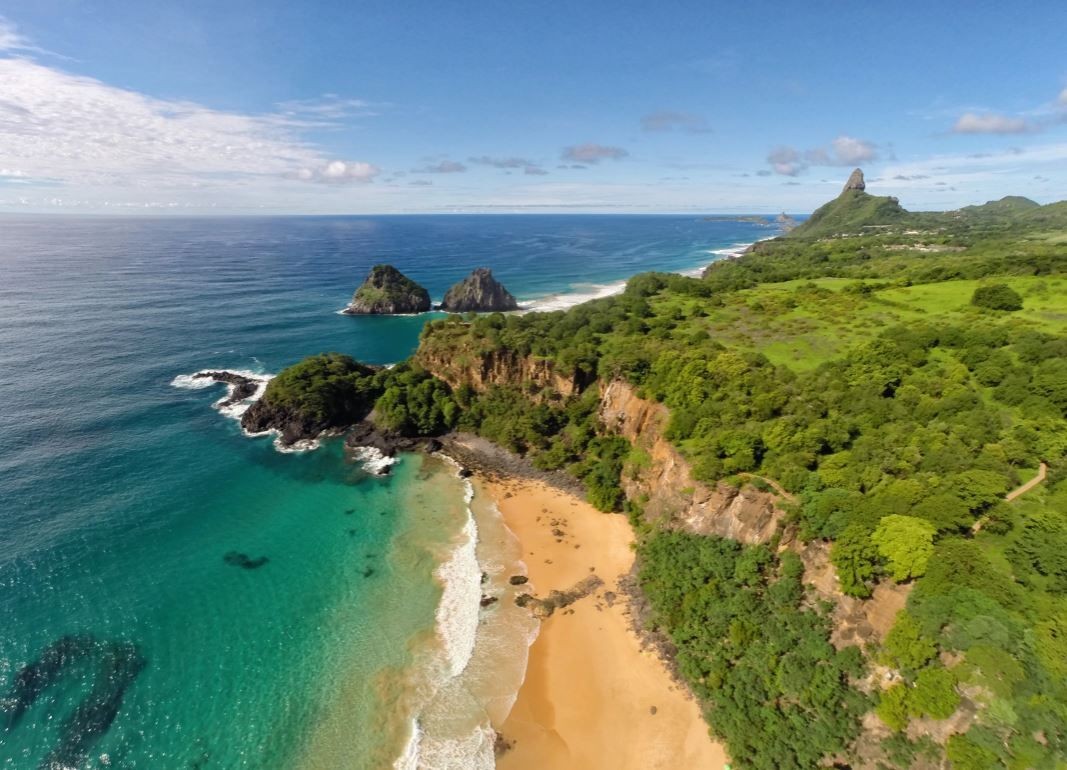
[591,697]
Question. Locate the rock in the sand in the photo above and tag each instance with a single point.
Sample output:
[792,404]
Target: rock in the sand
[518,580]
[479,292]
[487,600]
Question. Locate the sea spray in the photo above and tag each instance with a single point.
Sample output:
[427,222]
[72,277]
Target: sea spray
[455,729]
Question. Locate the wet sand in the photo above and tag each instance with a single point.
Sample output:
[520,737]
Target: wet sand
[591,698]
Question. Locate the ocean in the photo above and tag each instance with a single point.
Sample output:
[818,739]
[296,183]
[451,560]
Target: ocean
[174,594]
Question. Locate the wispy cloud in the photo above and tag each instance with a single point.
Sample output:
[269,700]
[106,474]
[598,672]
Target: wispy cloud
[487,160]
[843,151]
[326,107]
[13,41]
[444,167]
[1063,97]
[668,120]
[593,153]
[529,167]
[77,130]
[989,123]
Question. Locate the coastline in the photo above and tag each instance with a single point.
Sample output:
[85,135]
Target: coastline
[593,695]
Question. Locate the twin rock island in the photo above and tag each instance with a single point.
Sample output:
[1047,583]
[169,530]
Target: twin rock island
[387,291]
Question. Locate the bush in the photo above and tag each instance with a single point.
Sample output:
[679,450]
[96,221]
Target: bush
[998,296]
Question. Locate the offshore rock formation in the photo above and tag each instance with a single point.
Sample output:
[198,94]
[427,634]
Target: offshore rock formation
[855,181]
[479,292]
[387,291]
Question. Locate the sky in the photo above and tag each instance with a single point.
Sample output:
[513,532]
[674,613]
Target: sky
[394,106]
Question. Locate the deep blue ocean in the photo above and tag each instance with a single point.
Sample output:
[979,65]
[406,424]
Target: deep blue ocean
[128,639]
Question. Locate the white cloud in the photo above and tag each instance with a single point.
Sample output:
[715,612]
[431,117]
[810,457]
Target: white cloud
[593,153]
[786,161]
[843,151]
[339,172]
[989,123]
[848,151]
[76,130]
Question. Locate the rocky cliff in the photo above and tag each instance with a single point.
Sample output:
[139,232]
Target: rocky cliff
[387,291]
[480,370]
[479,292]
[744,514]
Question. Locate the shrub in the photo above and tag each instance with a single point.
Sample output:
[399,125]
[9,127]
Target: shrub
[997,296]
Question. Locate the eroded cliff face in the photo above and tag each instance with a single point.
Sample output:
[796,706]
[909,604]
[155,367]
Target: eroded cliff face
[746,515]
[502,367]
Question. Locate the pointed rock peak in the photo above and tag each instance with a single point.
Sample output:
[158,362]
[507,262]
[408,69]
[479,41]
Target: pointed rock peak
[479,292]
[855,181]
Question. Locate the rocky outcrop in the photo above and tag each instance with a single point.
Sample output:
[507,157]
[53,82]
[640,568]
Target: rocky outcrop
[291,425]
[480,370]
[387,291]
[855,621]
[664,479]
[241,387]
[855,181]
[479,292]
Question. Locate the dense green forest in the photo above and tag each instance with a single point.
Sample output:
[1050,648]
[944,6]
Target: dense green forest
[899,380]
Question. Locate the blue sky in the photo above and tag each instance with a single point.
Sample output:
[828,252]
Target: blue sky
[365,107]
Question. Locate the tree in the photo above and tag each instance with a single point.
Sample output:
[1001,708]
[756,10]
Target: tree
[893,706]
[906,542]
[997,296]
[855,558]
[934,694]
[905,647]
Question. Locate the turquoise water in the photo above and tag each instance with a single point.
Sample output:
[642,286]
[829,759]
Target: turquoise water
[127,505]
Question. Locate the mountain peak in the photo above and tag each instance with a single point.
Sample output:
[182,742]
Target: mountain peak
[855,181]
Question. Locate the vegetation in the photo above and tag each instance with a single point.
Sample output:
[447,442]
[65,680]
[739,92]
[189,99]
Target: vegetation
[774,687]
[849,364]
[330,388]
[998,296]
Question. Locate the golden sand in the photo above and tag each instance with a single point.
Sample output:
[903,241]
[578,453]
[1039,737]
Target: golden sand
[591,697]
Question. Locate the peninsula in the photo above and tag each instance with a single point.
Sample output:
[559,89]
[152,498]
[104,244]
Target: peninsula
[804,441]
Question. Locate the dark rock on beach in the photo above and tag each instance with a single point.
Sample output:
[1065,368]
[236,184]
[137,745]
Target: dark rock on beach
[387,291]
[518,580]
[479,292]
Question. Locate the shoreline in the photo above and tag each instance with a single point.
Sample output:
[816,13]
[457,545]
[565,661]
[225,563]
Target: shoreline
[595,693]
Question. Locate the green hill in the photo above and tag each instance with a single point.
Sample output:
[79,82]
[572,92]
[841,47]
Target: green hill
[853,211]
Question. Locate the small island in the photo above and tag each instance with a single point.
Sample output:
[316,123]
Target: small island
[479,292]
[387,291]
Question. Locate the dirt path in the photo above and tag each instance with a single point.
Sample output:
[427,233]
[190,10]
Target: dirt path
[778,488]
[1042,474]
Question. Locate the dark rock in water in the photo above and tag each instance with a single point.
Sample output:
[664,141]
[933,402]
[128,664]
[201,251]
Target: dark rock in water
[368,572]
[479,292]
[433,445]
[117,664]
[244,561]
[855,181]
[465,473]
[487,600]
[243,387]
[387,291]
[518,580]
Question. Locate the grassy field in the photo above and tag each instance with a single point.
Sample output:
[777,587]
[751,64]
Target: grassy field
[804,323]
